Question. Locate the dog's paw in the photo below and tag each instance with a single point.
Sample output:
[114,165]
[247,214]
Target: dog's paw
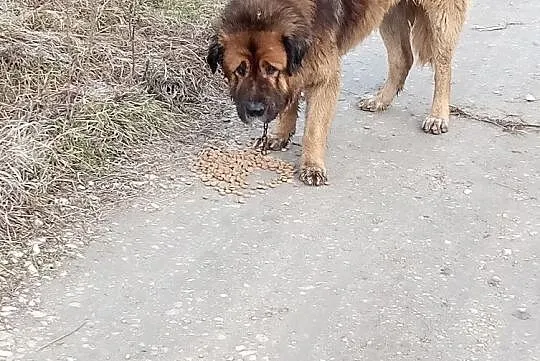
[313,176]
[276,142]
[435,125]
[372,104]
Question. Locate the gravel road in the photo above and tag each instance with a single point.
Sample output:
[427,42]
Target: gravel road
[421,248]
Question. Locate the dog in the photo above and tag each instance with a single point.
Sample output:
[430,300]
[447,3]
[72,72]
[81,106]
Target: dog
[272,51]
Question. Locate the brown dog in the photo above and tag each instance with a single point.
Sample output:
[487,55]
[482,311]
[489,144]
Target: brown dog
[272,50]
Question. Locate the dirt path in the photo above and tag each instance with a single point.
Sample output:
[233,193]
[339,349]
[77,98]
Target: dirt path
[422,248]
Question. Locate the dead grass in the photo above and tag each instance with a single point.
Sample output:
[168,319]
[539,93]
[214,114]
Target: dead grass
[84,83]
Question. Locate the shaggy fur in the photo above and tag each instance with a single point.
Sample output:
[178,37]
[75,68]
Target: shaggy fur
[272,50]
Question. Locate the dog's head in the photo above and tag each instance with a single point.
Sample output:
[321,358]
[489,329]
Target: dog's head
[258,60]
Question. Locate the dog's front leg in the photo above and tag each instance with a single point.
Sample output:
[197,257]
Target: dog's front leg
[321,102]
[285,127]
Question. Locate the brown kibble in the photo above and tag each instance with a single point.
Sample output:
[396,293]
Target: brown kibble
[228,170]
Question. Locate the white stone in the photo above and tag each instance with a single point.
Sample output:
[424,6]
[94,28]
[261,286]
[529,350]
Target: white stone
[6,353]
[530,98]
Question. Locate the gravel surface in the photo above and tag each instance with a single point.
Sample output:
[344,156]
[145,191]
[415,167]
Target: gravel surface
[421,247]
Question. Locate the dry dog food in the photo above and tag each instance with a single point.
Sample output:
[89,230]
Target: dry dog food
[227,171]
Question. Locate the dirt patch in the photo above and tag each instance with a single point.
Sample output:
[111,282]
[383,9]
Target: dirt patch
[87,89]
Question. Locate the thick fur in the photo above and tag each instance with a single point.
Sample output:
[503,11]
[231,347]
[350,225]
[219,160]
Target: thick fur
[272,50]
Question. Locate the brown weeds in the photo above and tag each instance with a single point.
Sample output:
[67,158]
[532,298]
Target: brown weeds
[82,84]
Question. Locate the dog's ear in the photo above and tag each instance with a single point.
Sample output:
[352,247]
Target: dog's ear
[215,54]
[296,48]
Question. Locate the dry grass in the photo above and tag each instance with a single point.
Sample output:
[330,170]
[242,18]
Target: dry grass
[82,84]
[508,122]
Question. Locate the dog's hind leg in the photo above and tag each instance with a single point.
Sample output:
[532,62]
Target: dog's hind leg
[446,20]
[395,30]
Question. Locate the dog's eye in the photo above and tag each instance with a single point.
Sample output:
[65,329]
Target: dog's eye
[271,70]
[242,69]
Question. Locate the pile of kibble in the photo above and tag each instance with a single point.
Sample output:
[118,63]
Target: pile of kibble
[227,171]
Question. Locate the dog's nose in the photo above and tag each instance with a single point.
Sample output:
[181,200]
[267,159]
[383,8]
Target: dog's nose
[255,109]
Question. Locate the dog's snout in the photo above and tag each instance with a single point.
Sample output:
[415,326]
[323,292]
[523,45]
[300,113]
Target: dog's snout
[255,109]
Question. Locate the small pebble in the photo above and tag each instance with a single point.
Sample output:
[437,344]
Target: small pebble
[494,281]
[246,353]
[261,338]
[522,314]
[36,249]
[6,353]
[38,314]
[530,98]
[446,271]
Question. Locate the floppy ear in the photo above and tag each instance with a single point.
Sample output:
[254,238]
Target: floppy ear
[296,48]
[215,54]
